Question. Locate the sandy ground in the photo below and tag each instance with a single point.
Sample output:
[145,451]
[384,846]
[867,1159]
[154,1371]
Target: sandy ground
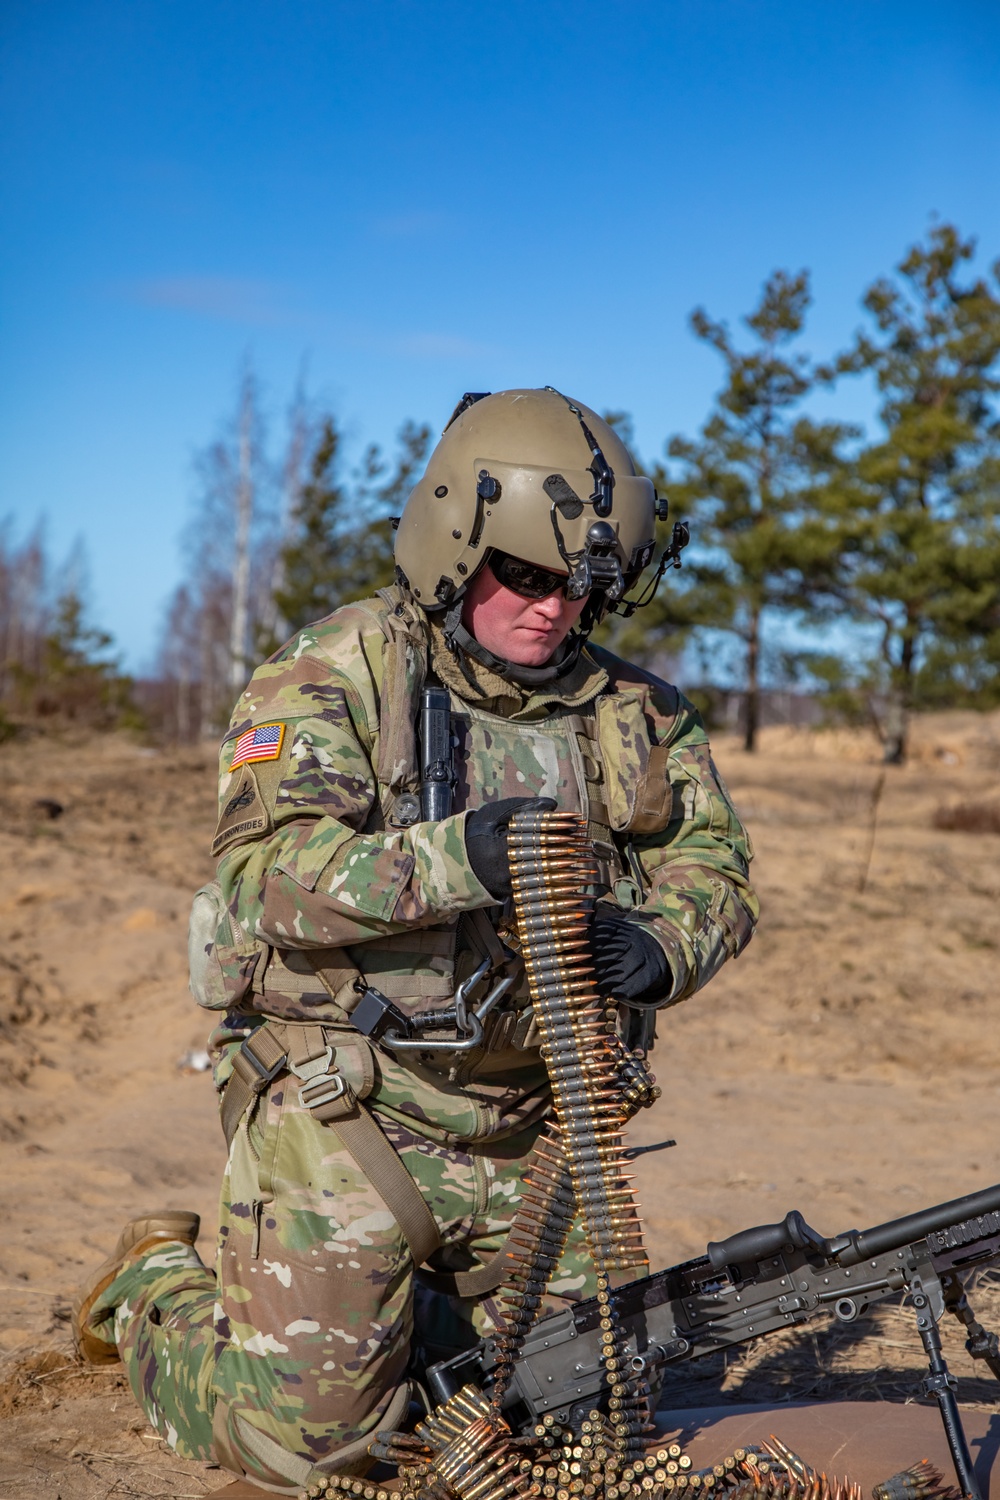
[845,1066]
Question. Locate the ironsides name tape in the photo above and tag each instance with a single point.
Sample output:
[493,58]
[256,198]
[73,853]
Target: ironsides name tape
[251,825]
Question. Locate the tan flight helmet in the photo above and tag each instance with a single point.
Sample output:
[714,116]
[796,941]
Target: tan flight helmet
[536,475]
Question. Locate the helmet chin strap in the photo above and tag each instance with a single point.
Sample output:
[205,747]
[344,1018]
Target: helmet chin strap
[460,642]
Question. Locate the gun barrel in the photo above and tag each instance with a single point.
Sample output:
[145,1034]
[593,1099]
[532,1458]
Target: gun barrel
[899,1232]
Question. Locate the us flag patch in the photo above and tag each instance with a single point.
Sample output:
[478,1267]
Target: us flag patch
[262,743]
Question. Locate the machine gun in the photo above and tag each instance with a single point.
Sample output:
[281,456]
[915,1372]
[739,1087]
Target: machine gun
[744,1287]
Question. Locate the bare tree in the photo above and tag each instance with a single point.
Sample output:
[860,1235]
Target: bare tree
[178,662]
[213,620]
[270,545]
[303,424]
[239,632]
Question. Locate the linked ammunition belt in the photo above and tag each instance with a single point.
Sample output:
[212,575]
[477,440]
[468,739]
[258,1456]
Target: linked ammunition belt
[465,1447]
[465,1450]
[558,1464]
[579,1165]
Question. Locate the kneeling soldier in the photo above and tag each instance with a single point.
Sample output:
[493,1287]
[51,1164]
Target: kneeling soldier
[379,1114]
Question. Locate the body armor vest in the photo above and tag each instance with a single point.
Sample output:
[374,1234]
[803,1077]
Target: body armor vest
[560,755]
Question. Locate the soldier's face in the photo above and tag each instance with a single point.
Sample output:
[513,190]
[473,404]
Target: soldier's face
[524,631]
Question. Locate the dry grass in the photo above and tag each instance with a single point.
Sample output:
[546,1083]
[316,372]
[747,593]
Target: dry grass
[73,1431]
[845,1066]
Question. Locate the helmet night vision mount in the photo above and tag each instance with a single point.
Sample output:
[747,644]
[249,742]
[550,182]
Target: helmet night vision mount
[545,479]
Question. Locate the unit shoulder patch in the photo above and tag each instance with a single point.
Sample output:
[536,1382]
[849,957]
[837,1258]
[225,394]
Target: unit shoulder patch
[243,815]
[261,743]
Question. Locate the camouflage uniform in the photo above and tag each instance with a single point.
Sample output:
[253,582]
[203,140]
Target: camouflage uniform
[303,1341]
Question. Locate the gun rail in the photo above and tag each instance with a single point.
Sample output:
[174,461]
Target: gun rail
[898,1232]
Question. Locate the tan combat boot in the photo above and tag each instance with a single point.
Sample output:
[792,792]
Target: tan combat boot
[138,1236]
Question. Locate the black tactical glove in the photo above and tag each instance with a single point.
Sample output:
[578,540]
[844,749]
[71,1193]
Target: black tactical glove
[486,840]
[629,962]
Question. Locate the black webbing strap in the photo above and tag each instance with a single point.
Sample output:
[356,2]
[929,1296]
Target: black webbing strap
[482,936]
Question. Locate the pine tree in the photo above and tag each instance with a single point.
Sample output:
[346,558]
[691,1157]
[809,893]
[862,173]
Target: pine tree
[745,484]
[916,518]
[78,679]
[341,540]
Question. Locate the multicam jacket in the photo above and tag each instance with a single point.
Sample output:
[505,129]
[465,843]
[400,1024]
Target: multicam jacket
[326,876]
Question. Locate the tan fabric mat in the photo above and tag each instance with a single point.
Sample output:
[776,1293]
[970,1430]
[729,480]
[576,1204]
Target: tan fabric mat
[867,1440]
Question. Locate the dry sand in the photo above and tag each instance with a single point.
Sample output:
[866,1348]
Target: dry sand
[845,1066]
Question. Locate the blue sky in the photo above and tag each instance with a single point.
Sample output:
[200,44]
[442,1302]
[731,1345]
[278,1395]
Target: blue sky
[425,198]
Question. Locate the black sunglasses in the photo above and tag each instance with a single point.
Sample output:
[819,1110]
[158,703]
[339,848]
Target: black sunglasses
[525,578]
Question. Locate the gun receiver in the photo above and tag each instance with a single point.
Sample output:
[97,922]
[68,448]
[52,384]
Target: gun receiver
[761,1279]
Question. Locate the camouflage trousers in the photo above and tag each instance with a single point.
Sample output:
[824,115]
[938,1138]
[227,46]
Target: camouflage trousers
[298,1342]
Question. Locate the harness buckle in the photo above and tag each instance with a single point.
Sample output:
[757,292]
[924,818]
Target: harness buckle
[261,1074]
[320,1086]
[324,1089]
